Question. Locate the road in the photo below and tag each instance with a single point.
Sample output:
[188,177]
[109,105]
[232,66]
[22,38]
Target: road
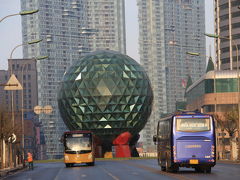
[122,170]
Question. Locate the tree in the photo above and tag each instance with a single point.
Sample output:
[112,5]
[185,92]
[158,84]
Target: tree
[6,130]
[220,125]
[6,126]
[231,126]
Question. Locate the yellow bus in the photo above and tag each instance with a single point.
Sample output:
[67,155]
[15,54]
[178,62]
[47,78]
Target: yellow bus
[78,148]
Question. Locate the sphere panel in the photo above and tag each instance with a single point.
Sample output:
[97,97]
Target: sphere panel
[106,92]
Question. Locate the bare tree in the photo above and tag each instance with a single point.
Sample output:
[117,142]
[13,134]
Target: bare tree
[219,119]
[231,126]
[6,129]
[6,125]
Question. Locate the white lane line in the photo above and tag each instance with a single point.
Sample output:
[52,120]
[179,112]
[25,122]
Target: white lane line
[110,174]
[135,173]
[83,175]
[56,177]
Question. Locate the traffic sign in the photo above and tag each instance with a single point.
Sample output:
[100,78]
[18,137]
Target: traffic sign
[47,109]
[12,138]
[38,109]
[13,84]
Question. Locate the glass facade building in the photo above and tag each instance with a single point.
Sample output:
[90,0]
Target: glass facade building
[216,89]
[106,92]
[217,93]
[69,30]
[169,29]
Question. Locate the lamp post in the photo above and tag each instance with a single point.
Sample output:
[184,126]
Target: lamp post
[214,90]
[11,72]
[214,78]
[22,110]
[13,76]
[227,38]
[22,13]
[238,86]
[27,43]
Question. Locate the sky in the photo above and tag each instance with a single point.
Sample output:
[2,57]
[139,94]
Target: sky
[10,29]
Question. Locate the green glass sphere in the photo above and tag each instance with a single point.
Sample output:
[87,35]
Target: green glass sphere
[107,93]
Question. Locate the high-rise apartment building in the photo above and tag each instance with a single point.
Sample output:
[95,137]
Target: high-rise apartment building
[227,26]
[169,29]
[69,29]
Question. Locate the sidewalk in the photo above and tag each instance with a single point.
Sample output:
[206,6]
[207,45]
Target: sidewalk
[6,171]
[228,161]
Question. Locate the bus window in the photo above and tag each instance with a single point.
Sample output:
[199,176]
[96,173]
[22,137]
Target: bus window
[192,125]
[78,143]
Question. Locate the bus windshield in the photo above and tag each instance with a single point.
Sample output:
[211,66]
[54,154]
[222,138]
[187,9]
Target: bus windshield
[78,142]
[193,124]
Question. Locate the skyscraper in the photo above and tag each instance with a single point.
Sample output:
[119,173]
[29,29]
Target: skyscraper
[227,23]
[69,29]
[169,29]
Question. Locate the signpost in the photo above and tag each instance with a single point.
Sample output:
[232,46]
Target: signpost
[46,109]
[37,109]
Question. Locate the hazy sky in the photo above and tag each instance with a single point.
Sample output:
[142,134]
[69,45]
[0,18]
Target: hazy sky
[10,29]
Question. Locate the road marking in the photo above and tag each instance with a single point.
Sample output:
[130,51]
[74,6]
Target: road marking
[110,174]
[84,175]
[56,177]
[135,173]
[154,170]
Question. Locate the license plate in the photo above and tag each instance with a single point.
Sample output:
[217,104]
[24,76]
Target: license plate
[193,161]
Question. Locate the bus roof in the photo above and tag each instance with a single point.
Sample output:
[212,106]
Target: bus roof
[186,114]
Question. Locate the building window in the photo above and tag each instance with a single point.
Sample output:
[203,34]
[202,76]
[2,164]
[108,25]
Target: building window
[29,66]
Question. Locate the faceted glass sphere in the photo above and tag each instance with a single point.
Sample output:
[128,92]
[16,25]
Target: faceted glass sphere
[105,92]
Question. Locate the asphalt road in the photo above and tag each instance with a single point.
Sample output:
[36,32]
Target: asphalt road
[122,170]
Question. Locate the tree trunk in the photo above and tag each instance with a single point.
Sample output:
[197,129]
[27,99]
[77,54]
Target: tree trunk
[1,153]
[223,145]
[231,149]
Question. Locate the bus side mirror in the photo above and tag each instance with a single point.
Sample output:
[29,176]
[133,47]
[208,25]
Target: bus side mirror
[155,139]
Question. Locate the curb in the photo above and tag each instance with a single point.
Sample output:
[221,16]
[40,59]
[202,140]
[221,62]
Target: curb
[5,172]
[228,162]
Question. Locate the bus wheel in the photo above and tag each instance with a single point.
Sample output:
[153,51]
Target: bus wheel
[91,164]
[168,169]
[198,169]
[163,168]
[175,168]
[207,170]
[68,165]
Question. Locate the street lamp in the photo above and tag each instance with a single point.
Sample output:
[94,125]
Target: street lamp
[22,13]
[14,77]
[224,37]
[27,43]
[23,67]
[214,78]
[214,90]
[193,53]
[11,72]
[238,87]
